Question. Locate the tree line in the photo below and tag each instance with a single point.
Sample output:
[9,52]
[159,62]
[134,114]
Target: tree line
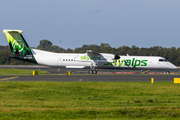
[171,54]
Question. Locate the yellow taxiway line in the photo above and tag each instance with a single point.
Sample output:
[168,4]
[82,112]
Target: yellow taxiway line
[8,78]
[145,71]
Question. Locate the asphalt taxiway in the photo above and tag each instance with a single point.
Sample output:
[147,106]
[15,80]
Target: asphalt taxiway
[76,71]
[95,78]
[75,77]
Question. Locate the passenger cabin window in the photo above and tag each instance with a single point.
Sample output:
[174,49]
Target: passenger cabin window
[68,60]
[162,60]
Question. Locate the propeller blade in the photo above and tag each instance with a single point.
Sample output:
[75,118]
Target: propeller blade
[116,57]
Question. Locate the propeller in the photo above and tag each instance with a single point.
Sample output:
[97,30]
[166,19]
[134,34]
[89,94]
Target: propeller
[116,56]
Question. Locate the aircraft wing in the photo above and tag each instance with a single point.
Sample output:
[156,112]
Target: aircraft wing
[92,53]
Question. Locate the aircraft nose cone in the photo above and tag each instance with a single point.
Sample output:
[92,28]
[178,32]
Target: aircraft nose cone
[176,67]
[172,66]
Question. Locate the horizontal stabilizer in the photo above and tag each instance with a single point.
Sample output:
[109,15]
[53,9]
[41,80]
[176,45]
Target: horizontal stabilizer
[19,31]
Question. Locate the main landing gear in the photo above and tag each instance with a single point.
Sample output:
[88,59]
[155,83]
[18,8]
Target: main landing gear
[92,71]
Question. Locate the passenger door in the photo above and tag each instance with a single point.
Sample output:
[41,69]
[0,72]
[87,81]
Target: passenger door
[59,61]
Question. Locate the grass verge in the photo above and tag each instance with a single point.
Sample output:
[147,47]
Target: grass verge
[20,72]
[89,100]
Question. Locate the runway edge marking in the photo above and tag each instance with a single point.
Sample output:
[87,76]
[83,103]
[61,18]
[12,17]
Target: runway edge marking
[9,78]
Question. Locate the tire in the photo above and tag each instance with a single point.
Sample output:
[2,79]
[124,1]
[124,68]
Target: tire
[90,72]
[94,71]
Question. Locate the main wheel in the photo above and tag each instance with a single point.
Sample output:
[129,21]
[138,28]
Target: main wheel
[90,72]
[94,71]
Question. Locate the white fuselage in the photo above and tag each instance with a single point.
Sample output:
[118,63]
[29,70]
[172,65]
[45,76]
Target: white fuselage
[104,61]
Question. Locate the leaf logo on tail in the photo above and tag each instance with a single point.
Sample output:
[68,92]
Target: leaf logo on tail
[18,46]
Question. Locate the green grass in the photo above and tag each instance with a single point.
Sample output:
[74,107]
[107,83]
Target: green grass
[20,72]
[83,100]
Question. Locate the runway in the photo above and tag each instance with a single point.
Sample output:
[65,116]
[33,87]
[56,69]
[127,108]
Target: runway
[95,78]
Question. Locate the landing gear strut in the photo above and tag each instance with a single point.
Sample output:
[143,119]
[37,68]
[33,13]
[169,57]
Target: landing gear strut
[92,69]
[168,72]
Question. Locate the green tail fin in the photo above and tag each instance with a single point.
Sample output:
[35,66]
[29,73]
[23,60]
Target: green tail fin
[19,47]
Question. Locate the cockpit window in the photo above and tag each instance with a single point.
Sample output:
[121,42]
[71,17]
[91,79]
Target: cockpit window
[162,60]
[165,60]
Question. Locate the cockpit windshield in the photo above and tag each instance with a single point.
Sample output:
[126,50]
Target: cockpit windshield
[162,60]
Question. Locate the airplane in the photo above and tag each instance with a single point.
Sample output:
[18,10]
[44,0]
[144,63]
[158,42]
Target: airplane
[90,60]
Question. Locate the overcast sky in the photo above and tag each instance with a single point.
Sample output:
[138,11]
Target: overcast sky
[144,23]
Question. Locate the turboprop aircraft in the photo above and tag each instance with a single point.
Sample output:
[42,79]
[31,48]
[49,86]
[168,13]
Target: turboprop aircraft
[90,60]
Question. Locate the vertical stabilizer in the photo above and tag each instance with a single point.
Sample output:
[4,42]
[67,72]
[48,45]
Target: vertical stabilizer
[19,47]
